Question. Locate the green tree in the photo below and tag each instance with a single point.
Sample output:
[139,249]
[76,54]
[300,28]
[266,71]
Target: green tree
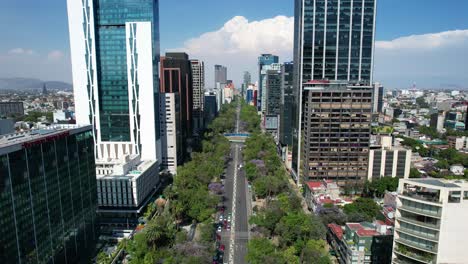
[315,251]
[296,228]
[261,251]
[364,207]
[378,187]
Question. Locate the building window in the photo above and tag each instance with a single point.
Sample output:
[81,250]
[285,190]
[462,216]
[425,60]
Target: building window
[465,195]
[454,197]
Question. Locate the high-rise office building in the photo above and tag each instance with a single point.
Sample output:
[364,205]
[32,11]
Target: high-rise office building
[246,82]
[333,41]
[263,60]
[378,98]
[430,222]
[287,105]
[264,91]
[220,74]
[336,131]
[211,106]
[198,77]
[48,196]
[115,58]
[176,77]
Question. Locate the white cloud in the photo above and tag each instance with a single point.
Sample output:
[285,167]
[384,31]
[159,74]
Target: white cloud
[55,55]
[437,60]
[21,51]
[426,41]
[239,42]
[431,60]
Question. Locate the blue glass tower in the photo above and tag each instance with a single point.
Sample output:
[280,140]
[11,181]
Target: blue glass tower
[264,59]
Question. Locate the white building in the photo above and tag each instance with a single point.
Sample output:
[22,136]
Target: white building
[118,95]
[430,224]
[170,134]
[388,161]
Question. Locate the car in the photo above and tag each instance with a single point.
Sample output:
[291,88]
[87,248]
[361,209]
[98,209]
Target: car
[221,218]
[228,227]
[222,247]
[219,229]
[229,218]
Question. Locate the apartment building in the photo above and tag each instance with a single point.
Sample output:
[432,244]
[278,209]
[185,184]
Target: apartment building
[430,224]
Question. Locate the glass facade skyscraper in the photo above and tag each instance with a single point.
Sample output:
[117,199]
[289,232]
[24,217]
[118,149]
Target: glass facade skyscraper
[333,46]
[47,196]
[264,60]
[337,39]
[115,58]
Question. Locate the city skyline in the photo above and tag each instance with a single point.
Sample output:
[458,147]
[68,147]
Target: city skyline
[402,43]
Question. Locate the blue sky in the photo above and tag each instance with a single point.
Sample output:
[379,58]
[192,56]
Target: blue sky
[35,35]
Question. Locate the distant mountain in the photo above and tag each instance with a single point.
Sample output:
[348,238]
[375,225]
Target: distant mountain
[31,84]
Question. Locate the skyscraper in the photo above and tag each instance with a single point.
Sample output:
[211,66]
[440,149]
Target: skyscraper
[220,75]
[48,196]
[198,76]
[287,105]
[246,82]
[176,77]
[115,57]
[335,39]
[333,51]
[264,74]
[263,60]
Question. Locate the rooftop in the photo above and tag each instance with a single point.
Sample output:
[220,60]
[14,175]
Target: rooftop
[439,182]
[38,135]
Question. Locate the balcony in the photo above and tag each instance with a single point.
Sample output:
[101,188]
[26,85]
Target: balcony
[407,253]
[423,196]
[418,234]
[421,247]
[434,226]
[411,209]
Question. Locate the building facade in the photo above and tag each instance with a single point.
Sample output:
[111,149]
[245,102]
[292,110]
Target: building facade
[220,74]
[389,162]
[171,134]
[198,77]
[115,60]
[176,77]
[336,131]
[264,60]
[287,105]
[333,41]
[8,109]
[361,243]
[336,39]
[430,221]
[48,196]
[274,70]
[211,107]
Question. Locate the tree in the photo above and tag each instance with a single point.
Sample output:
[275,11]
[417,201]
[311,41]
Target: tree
[315,251]
[160,231]
[296,228]
[365,207]
[377,187]
[261,251]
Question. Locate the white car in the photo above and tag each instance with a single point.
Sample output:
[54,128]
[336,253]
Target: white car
[221,218]
[219,229]
[229,219]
